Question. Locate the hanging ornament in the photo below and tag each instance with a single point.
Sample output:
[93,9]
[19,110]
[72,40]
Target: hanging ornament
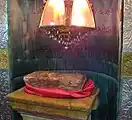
[66,21]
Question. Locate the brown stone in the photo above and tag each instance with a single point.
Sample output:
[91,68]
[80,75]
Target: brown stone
[47,79]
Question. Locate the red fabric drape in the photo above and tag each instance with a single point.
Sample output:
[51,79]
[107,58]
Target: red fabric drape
[59,93]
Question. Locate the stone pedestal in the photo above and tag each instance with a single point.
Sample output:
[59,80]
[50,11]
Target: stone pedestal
[31,117]
[33,107]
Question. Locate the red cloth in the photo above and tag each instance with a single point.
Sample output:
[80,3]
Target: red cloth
[59,93]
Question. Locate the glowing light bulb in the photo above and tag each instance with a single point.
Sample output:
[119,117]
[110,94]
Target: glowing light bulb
[52,23]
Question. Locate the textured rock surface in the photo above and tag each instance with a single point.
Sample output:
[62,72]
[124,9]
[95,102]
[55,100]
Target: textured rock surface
[128,26]
[5,112]
[3,24]
[126,99]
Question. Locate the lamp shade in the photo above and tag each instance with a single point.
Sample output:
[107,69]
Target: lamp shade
[67,13]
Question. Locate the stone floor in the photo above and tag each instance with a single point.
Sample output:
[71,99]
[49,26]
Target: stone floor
[126,102]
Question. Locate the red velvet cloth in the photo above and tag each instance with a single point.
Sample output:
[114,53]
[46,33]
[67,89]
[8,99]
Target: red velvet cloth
[59,93]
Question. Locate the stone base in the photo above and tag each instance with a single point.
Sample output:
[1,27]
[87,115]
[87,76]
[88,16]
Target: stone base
[33,107]
[30,117]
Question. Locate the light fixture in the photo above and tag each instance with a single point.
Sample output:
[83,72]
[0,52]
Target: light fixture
[60,18]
